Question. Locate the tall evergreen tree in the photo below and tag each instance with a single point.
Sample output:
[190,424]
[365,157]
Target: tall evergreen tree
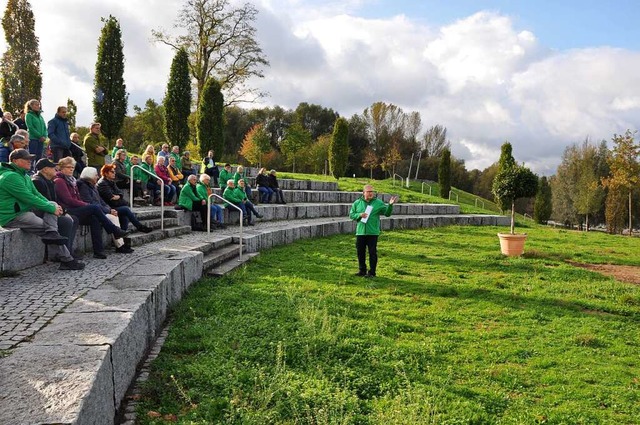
[110,92]
[72,112]
[177,101]
[339,148]
[444,173]
[542,206]
[20,76]
[209,122]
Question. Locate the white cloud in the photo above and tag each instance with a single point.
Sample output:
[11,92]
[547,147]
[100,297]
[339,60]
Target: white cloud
[480,76]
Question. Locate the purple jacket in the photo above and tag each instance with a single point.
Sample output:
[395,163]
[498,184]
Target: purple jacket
[68,195]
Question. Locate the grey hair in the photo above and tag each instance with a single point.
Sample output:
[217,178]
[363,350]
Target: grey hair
[231,181]
[204,177]
[89,173]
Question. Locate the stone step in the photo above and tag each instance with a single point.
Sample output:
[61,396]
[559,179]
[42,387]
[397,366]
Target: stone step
[139,238]
[230,265]
[217,257]
[155,223]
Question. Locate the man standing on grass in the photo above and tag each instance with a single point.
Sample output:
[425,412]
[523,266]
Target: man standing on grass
[366,212]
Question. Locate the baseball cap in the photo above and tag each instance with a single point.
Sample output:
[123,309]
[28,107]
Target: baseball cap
[44,163]
[20,154]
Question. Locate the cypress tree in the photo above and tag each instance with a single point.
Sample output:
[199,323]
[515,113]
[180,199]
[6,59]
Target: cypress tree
[177,101]
[110,92]
[20,76]
[444,173]
[339,148]
[209,122]
[542,206]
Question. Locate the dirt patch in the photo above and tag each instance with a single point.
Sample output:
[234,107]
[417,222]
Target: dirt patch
[629,274]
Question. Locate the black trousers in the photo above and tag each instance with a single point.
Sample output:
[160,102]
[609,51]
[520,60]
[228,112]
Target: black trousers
[362,243]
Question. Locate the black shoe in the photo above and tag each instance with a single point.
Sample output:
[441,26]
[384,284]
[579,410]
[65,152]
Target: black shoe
[100,255]
[360,274]
[54,238]
[77,255]
[371,274]
[250,224]
[124,250]
[119,233]
[71,265]
[259,216]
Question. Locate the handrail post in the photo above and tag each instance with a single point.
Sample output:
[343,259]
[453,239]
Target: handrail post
[394,179]
[161,192]
[231,205]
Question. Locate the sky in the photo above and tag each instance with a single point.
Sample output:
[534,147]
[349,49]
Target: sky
[542,75]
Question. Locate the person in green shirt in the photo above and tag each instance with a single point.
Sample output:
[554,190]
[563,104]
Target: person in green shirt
[225,176]
[191,201]
[366,212]
[175,153]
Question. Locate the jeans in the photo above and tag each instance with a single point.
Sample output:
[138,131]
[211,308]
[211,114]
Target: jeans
[96,219]
[169,190]
[266,193]
[4,154]
[59,153]
[216,211]
[125,215]
[362,243]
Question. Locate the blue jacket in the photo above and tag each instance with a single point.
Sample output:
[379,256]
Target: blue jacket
[58,131]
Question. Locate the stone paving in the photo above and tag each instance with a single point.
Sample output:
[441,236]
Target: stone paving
[29,300]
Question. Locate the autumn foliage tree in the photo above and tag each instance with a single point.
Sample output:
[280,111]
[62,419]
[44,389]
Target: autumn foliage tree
[370,161]
[255,145]
[624,177]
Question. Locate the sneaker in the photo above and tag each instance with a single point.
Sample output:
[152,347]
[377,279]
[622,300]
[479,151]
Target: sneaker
[100,255]
[71,265]
[54,238]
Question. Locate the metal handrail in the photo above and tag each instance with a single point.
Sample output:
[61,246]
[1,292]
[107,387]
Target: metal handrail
[527,216]
[481,201]
[161,192]
[231,205]
[422,189]
[394,179]
[452,192]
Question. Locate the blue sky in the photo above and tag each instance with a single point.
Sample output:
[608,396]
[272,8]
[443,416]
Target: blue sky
[560,24]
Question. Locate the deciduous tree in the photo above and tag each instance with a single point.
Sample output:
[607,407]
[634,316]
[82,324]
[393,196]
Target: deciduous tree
[20,76]
[370,161]
[221,43]
[110,93]
[255,145]
[177,101]
[295,141]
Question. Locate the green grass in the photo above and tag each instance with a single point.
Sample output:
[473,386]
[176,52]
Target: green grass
[450,332]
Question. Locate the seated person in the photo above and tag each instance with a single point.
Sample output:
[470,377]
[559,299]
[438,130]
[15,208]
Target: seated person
[163,173]
[225,175]
[89,194]
[176,175]
[43,181]
[262,181]
[140,178]
[153,182]
[204,191]
[69,197]
[18,199]
[238,197]
[187,165]
[241,174]
[273,184]
[190,201]
[113,196]
[122,175]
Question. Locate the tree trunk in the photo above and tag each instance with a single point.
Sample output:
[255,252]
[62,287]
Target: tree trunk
[586,216]
[630,213]
[513,217]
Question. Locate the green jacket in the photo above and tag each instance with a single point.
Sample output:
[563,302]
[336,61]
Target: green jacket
[91,142]
[372,226]
[18,195]
[147,176]
[224,177]
[202,191]
[138,174]
[233,196]
[237,176]
[188,197]
[36,125]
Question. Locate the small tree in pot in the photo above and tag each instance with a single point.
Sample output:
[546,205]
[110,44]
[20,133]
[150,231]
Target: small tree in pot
[512,181]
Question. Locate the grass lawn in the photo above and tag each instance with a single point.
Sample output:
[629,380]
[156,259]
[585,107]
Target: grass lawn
[450,332]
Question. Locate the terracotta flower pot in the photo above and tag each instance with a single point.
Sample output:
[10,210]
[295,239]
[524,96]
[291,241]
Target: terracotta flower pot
[512,245]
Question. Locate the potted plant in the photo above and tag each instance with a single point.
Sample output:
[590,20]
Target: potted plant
[512,181]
